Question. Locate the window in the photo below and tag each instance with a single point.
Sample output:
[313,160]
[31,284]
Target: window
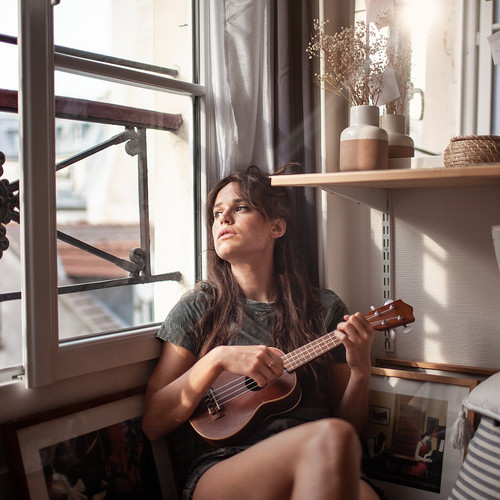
[10,275]
[488,121]
[496,78]
[105,265]
[456,83]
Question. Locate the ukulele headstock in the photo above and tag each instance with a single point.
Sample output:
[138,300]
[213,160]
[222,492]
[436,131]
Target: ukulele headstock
[391,315]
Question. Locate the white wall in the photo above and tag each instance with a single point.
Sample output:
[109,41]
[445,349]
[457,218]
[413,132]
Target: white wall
[445,267]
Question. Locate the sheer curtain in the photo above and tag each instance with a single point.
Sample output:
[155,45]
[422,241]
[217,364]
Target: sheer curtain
[240,51]
[262,83]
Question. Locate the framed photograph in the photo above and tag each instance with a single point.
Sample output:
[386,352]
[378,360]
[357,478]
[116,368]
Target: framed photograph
[406,442]
[92,450]
[379,415]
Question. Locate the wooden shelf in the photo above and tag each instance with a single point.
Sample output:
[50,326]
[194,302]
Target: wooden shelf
[480,175]
[371,187]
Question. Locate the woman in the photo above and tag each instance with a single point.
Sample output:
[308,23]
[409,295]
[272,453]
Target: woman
[256,295]
[423,453]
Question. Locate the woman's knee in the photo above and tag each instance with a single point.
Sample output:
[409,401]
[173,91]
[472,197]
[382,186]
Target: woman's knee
[336,437]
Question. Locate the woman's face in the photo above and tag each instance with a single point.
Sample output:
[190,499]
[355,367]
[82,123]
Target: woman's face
[240,232]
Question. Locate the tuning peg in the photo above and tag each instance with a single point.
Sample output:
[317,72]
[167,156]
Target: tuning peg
[392,334]
[387,302]
[373,308]
[407,329]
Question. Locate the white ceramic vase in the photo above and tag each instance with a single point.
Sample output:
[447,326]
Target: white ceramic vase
[364,144]
[400,144]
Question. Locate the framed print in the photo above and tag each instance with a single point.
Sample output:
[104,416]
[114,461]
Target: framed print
[406,442]
[379,415]
[90,450]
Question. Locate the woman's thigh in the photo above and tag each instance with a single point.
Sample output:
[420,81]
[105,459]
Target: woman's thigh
[268,469]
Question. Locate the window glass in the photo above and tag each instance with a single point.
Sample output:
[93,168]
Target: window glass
[8,49]
[99,205]
[8,56]
[435,30]
[495,127]
[10,310]
[110,200]
[142,31]
[10,269]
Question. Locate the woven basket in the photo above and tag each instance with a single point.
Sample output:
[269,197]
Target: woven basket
[472,149]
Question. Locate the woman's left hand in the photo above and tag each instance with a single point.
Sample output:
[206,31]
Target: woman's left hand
[356,333]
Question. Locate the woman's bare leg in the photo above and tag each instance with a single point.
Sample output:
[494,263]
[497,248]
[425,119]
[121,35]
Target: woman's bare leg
[318,460]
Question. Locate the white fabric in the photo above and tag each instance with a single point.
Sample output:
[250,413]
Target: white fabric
[240,47]
[485,398]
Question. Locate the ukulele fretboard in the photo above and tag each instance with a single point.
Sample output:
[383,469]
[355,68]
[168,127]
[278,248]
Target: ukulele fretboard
[310,351]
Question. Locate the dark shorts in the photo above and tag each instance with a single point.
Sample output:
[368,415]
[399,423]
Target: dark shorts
[203,463]
[213,457]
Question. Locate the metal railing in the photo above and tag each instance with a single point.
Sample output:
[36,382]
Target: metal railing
[134,136]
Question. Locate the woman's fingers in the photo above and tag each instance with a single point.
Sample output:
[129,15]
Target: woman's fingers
[260,363]
[357,336]
[355,329]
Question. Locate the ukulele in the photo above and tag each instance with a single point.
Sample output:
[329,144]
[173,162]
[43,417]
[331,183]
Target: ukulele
[235,405]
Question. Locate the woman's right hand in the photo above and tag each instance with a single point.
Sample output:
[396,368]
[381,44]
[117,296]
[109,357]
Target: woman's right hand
[178,381]
[260,363]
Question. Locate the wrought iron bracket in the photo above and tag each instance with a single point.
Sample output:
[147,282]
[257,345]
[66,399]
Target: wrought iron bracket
[133,145]
[138,257]
[138,265]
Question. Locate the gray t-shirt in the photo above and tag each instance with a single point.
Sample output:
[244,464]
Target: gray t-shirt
[179,327]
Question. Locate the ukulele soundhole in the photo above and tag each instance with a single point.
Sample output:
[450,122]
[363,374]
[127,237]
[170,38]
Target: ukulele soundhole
[252,385]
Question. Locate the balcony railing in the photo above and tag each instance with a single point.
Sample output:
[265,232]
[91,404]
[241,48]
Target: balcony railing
[135,122]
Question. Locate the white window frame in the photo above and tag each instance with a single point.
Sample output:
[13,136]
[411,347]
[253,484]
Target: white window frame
[45,360]
[485,67]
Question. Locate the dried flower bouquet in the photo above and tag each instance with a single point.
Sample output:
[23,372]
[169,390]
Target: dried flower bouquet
[354,61]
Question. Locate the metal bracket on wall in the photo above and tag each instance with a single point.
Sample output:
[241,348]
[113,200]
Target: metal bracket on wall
[387,230]
[388,265]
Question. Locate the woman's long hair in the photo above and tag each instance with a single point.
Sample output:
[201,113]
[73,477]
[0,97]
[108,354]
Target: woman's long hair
[297,312]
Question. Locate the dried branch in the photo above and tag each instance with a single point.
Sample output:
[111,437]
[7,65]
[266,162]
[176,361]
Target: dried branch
[354,60]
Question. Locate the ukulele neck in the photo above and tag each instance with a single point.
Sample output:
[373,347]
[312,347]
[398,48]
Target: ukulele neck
[388,316]
[310,351]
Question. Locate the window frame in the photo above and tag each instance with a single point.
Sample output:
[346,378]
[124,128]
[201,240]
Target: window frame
[46,360]
[485,67]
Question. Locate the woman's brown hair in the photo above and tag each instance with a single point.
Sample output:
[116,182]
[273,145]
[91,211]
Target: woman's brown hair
[296,317]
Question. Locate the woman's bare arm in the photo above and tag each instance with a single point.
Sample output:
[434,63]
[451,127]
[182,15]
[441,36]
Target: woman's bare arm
[178,383]
[352,379]
[174,389]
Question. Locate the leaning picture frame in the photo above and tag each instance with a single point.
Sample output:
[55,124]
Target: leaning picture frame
[406,448]
[88,450]
[452,370]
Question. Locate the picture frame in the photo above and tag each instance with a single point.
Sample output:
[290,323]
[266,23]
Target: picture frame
[410,456]
[380,415]
[463,371]
[89,449]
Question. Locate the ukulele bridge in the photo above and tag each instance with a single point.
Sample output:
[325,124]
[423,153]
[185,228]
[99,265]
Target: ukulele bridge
[213,407]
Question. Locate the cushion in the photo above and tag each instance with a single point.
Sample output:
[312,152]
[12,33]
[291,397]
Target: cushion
[479,476]
[485,398]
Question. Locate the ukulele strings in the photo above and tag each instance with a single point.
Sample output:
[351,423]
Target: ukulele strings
[238,387]
[312,350]
[232,390]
